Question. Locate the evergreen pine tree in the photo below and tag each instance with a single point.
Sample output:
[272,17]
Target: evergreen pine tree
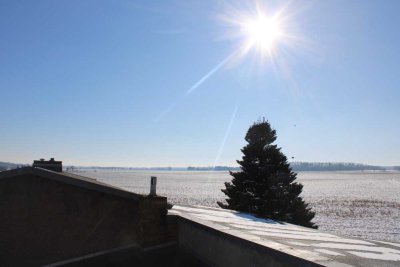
[265,185]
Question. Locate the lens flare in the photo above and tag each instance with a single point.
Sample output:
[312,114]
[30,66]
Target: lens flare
[263,32]
[263,36]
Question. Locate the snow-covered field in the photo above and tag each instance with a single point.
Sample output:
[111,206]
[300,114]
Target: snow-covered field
[358,204]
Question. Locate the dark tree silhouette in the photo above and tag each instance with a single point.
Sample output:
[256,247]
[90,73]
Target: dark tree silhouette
[265,185]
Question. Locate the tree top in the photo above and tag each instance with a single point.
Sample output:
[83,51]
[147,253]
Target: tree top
[261,131]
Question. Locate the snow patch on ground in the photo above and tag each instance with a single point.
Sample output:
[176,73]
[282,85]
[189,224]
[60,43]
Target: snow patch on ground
[377,256]
[328,252]
[358,247]
[389,243]
[284,230]
[311,237]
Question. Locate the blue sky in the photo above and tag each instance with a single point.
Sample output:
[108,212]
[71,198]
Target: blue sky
[105,83]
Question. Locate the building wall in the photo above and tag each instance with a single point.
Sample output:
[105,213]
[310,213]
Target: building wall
[44,221]
[212,247]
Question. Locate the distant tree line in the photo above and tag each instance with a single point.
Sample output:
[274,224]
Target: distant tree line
[330,166]
[311,166]
[296,166]
[216,168]
[4,166]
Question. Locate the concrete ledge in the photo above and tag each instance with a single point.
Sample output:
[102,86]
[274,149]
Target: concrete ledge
[168,254]
[103,257]
[217,248]
[210,232]
[131,255]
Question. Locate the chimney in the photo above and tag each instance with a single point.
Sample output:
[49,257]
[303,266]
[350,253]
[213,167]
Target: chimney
[51,165]
[153,186]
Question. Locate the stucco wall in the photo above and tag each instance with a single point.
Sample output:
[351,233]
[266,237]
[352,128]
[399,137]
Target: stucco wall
[43,221]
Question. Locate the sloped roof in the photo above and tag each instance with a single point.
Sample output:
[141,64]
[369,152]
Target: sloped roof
[71,179]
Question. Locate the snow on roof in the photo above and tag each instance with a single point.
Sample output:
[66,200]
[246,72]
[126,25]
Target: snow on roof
[350,251]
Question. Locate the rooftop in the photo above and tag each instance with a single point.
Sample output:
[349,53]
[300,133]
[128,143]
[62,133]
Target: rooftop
[72,179]
[323,248]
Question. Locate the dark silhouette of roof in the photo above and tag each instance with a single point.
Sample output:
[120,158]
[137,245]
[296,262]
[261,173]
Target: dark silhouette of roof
[71,179]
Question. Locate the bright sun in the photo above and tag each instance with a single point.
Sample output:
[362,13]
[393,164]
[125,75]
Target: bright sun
[262,32]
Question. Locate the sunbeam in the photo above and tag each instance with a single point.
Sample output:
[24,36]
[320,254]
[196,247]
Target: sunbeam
[171,106]
[210,73]
[227,131]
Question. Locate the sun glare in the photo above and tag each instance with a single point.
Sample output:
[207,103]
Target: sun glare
[262,32]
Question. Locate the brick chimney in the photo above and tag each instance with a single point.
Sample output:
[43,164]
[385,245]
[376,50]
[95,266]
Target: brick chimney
[51,164]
